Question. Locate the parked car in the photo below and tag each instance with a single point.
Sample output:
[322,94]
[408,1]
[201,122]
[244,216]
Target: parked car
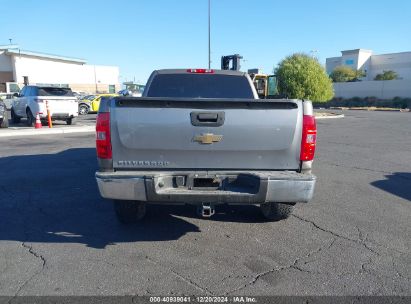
[91,103]
[80,95]
[7,98]
[84,105]
[203,137]
[126,92]
[4,121]
[89,97]
[33,99]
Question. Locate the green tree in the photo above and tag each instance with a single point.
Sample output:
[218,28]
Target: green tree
[386,75]
[344,73]
[301,76]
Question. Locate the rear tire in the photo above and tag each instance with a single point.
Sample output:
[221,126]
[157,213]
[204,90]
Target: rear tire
[14,118]
[71,121]
[83,109]
[276,211]
[31,120]
[129,212]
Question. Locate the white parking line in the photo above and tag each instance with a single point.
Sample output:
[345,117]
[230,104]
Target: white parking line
[330,117]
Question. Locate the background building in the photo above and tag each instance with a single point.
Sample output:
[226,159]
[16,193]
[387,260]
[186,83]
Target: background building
[46,69]
[371,65]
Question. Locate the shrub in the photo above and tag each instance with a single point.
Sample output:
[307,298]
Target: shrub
[371,101]
[301,76]
[386,75]
[344,73]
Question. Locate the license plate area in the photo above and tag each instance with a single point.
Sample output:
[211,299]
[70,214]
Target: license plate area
[204,183]
[240,183]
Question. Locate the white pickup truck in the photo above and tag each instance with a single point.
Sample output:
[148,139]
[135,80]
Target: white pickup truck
[203,137]
[33,100]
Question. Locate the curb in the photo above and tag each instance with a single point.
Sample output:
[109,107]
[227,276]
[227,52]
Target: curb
[370,109]
[9,132]
[330,117]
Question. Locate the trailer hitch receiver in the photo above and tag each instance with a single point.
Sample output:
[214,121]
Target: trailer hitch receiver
[206,210]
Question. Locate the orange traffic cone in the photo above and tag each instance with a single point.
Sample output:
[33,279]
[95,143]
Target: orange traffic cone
[38,122]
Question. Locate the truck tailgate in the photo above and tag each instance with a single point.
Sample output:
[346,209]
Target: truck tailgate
[206,133]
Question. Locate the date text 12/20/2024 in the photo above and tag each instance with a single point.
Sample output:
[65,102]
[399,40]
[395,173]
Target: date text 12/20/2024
[201,299]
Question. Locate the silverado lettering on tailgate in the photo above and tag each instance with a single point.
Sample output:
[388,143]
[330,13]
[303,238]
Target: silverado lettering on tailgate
[142,163]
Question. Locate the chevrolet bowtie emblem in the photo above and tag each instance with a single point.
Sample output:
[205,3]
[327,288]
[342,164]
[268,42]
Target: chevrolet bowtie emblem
[208,138]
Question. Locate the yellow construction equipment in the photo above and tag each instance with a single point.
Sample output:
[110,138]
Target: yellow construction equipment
[266,85]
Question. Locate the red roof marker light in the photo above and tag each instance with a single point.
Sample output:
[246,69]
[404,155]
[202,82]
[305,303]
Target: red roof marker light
[200,71]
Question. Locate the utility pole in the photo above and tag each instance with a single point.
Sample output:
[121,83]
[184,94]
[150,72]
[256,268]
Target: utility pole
[209,34]
[95,78]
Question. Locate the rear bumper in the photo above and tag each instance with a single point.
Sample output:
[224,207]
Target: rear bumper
[58,116]
[253,187]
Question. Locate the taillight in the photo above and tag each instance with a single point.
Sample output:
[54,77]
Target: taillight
[103,138]
[200,71]
[309,138]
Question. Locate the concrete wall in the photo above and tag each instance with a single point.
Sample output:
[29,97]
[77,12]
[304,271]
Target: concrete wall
[387,89]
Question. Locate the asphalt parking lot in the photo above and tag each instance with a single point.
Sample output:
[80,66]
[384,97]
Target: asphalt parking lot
[58,237]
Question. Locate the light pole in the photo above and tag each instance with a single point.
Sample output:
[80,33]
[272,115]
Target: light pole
[314,53]
[209,34]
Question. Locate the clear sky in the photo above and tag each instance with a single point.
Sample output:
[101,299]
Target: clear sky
[142,35]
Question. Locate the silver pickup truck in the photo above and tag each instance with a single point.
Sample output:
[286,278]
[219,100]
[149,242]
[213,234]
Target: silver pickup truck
[203,137]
